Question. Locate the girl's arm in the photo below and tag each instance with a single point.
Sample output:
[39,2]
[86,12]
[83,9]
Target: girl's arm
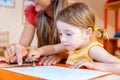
[104,60]
[109,67]
[99,54]
[47,50]
[52,49]
[113,67]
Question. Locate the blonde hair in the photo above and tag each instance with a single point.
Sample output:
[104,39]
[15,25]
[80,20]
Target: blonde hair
[101,34]
[44,30]
[80,15]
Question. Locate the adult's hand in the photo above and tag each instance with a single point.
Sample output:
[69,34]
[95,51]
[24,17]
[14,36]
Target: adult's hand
[16,49]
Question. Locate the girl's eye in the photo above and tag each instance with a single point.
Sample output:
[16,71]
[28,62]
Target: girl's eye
[60,34]
[68,34]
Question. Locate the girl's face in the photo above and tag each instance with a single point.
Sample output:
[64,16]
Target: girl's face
[41,5]
[70,36]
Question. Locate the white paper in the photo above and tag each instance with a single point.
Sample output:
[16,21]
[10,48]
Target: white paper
[57,73]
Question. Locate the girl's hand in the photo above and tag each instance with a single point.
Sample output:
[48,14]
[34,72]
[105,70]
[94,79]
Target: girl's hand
[33,55]
[16,49]
[49,60]
[83,64]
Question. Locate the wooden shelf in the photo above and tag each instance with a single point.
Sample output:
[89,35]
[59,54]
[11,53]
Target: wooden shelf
[111,45]
[115,38]
[113,5]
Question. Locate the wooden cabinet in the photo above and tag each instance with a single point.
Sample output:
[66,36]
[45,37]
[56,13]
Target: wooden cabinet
[115,5]
[112,44]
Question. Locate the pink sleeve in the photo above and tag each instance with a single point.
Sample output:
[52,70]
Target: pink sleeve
[31,14]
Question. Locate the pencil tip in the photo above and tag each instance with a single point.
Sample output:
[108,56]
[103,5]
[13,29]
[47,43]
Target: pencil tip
[33,64]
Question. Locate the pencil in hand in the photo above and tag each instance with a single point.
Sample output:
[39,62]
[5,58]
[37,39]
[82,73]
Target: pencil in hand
[33,62]
[13,54]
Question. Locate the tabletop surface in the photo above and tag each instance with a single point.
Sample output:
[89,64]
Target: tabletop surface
[10,75]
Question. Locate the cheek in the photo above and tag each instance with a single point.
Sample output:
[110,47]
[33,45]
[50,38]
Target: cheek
[76,45]
[45,3]
[42,5]
[76,42]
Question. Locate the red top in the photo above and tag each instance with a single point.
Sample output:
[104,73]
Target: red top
[31,14]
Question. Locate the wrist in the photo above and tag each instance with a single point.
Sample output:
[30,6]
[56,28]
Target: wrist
[40,51]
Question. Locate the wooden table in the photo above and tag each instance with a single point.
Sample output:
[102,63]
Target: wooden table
[8,75]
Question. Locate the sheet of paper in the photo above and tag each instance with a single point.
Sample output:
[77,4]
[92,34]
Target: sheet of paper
[57,73]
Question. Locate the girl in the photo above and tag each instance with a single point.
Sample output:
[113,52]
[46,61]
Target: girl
[76,26]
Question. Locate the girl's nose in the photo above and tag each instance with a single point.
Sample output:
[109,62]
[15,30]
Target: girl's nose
[62,38]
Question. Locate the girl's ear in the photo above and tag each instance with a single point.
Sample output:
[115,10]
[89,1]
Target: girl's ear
[88,32]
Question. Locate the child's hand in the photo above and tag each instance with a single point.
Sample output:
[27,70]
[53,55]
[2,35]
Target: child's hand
[33,55]
[83,64]
[49,60]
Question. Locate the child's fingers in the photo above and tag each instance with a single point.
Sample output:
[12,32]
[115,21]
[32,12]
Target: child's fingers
[55,59]
[48,61]
[34,55]
[42,60]
[52,59]
[78,64]
[31,58]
